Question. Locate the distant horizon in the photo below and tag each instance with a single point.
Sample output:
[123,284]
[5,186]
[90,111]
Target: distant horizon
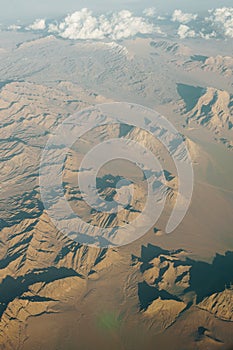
[26,10]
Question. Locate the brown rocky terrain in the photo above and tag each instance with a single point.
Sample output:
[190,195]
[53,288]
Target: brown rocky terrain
[56,293]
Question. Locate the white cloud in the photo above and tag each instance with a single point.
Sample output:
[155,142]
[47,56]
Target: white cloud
[150,12]
[223,18]
[84,25]
[14,27]
[219,23]
[208,35]
[161,18]
[181,17]
[185,32]
[39,24]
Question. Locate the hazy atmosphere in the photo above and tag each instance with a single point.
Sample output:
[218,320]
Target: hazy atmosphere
[25,9]
[116,191]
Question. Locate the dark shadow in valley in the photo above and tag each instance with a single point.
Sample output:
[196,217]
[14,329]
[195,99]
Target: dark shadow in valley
[204,279]
[125,129]
[4,83]
[105,182]
[74,247]
[26,206]
[12,257]
[151,252]
[12,288]
[199,58]
[147,294]
[190,95]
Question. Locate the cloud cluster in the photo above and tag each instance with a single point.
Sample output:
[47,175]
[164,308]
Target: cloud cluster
[223,19]
[150,12]
[185,32]
[218,24]
[39,24]
[181,17]
[14,27]
[84,25]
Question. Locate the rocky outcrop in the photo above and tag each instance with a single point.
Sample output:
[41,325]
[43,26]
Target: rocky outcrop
[210,108]
[219,304]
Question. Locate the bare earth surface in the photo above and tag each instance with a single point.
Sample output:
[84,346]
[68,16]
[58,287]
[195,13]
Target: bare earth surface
[167,291]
